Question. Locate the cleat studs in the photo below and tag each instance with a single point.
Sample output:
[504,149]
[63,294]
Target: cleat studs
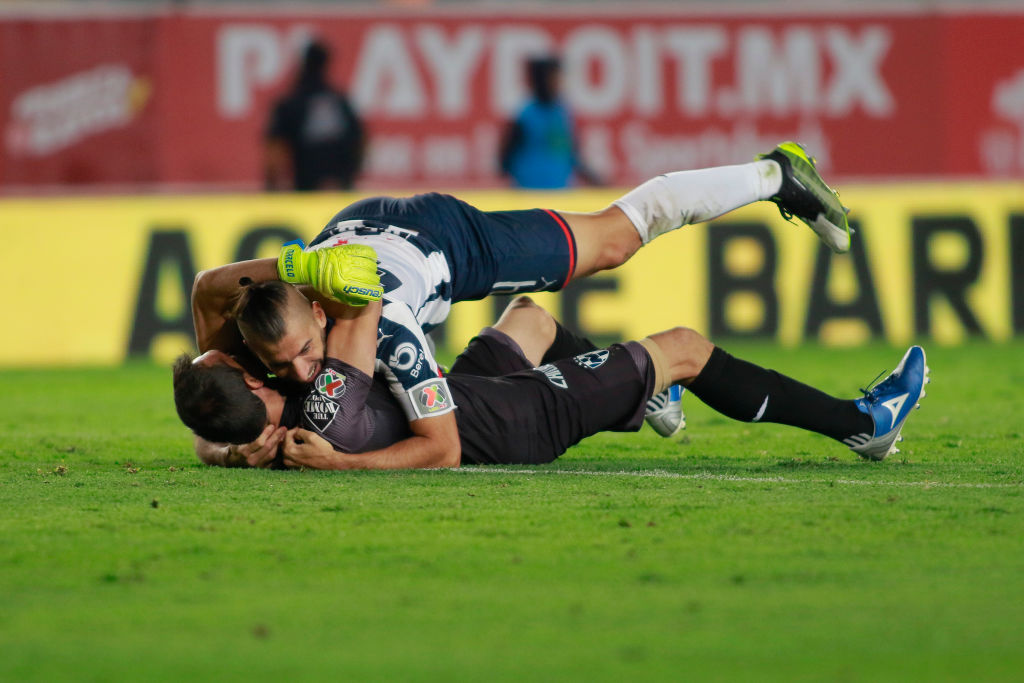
[923,394]
[917,407]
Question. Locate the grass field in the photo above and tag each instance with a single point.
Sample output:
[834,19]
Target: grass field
[737,552]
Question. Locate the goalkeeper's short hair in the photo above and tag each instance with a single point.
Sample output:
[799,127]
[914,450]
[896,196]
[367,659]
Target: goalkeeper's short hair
[259,308]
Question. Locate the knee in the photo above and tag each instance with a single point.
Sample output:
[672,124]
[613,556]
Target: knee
[689,351]
[525,313]
[522,302]
[615,252]
[620,240]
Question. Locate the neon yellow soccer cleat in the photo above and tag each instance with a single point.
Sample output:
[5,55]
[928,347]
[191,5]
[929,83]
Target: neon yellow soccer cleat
[805,195]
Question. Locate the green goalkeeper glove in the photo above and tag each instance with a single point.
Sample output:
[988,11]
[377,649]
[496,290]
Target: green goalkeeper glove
[346,273]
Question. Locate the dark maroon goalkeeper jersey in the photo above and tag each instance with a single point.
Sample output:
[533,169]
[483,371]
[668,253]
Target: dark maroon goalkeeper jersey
[508,412]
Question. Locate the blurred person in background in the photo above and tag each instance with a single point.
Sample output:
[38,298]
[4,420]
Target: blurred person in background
[315,140]
[539,150]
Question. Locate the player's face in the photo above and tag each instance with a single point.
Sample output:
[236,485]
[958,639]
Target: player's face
[299,354]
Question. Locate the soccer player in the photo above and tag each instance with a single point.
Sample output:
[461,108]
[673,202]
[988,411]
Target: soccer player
[435,250]
[515,404]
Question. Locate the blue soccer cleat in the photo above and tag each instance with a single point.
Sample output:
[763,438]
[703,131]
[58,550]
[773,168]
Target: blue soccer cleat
[889,404]
[665,411]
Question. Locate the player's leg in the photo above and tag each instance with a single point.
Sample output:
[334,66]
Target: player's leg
[524,337]
[749,393]
[786,175]
[530,326]
[607,238]
[542,338]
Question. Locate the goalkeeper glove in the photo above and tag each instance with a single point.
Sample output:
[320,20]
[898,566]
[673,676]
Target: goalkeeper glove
[345,273]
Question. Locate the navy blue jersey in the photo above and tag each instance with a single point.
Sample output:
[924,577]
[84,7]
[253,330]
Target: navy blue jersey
[486,252]
[434,250]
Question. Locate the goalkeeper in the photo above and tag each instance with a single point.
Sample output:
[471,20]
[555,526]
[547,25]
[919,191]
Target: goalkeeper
[434,250]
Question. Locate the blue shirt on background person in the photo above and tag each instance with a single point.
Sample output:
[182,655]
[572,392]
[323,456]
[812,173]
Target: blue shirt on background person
[539,147]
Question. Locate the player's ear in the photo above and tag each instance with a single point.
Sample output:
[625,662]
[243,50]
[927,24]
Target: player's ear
[318,313]
[252,382]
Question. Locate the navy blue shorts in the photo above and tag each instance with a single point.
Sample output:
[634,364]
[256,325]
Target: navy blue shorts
[488,252]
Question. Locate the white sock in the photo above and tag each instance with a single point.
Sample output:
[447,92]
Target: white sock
[670,201]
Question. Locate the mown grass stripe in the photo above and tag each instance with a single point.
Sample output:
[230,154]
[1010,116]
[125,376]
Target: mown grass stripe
[661,474]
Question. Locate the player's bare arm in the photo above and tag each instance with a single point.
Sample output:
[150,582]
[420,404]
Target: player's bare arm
[435,440]
[346,273]
[430,447]
[212,294]
[259,453]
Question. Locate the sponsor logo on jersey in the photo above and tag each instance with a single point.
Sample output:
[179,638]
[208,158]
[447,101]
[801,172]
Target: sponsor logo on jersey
[433,398]
[331,383]
[554,375]
[407,358]
[592,360]
[319,411]
[404,357]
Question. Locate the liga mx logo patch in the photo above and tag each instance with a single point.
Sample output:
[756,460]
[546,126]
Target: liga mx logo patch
[331,384]
[592,360]
[433,398]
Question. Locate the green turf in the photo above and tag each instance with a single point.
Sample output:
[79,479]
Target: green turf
[753,553]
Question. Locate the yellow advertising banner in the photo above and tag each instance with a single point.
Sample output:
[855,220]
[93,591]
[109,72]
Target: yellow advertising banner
[96,280]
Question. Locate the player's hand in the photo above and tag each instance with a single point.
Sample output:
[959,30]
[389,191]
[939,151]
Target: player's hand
[345,273]
[303,448]
[262,451]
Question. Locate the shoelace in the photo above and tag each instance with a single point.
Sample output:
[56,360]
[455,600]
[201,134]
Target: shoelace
[788,215]
[870,391]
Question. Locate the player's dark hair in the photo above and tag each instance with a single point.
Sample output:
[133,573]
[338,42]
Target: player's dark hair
[313,71]
[540,72]
[258,309]
[215,403]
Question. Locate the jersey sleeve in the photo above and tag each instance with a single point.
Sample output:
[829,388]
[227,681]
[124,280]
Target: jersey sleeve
[404,358]
[335,406]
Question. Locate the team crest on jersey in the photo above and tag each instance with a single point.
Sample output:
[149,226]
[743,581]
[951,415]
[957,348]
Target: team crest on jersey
[554,375]
[592,360]
[319,411]
[433,398]
[331,383]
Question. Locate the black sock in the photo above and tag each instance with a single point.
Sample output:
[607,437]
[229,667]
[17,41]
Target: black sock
[744,391]
[566,345]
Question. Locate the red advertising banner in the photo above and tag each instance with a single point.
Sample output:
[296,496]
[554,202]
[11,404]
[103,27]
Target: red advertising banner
[183,96]
[77,101]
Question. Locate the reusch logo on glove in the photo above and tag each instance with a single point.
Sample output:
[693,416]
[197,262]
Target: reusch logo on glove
[364,291]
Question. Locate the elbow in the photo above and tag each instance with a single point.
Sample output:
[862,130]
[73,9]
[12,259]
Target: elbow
[451,456]
[201,285]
